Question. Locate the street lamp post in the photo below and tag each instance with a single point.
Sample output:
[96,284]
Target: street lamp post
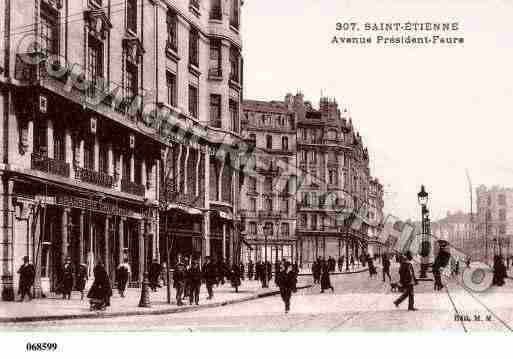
[425,247]
[145,292]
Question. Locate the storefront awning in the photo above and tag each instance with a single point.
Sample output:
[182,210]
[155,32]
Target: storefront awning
[183,208]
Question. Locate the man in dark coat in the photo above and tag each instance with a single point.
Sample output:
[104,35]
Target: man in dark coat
[386,267]
[499,271]
[179,280]
[122,277]
[100,292]
[372,268]
[81,279]
[241,270]
[67,279]
[154,274]
[408,280]
[235,277]
[277,266]
[286,282]
[27,274]
[210,276]
[269,269]
[325,277]
[251,269]
[194,282]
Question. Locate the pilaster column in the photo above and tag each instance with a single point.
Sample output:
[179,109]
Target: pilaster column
[110,160]
[197,177]
[155,179]
[68,150]
[220,182]
[7,276]
[30,136]
[326,170]
[224,241]
[144,174]
[340,170]
[185,168]
[65,232]
[142,254]
[81,236]
[106,244]
[96,152]
[206,234]
[179,168]
[132,166]
[207,178]
[121,245]
[81,153]
[120,170]
[49,137]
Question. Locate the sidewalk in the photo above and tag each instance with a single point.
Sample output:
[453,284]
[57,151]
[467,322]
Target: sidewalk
[56,308]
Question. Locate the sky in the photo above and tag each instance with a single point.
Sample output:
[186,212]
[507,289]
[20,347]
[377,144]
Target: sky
[427,113]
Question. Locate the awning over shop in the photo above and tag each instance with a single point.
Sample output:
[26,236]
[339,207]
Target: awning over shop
[183,208]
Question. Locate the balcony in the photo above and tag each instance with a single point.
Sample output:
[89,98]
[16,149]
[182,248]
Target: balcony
[132,188]
[269,214]
[97,178]
[216,13]
[216,124]
[215,73]
[248,213]
[49,165]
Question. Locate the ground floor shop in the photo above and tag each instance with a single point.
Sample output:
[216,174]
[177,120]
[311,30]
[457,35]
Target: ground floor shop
[272,252]
[49,222]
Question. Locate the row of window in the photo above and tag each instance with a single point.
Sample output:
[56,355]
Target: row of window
[501,199]
[269,141]
[268,185]
[268,205]
[314,199]
[264,119]
[269,228]
[41,147]
[316,135]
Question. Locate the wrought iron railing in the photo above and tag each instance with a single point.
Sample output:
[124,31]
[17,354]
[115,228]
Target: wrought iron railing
[132,187]
[45,164]
[269,214]
[98,178]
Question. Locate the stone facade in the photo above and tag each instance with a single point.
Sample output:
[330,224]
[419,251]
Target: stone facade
[113,116]
[331,175]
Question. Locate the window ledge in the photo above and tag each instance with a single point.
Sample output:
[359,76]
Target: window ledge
[195,10]
[234,29]
[194,69]
[215,21]
[171,53]
[235,85]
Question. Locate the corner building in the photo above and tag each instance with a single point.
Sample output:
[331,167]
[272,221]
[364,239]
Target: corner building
[113,114]
[327,175]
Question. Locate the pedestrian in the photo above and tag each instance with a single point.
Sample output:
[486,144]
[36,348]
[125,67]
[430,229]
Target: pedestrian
[251,269]
[210,276]
[27,273]
[100,292]
[340,263]
[372,268]
[286,282]
[194,282]
[81,279]
[325,278]
[235,277]
[277,266]
[407,280]
[499,271]
[295,271]
[154,274]
[316,271]
[241,271]
[67,279]
[385,262]
[179,280]
[352,262]
[122,276]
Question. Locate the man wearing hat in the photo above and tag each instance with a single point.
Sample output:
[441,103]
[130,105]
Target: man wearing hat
[67,279]
[27,273]
[407,279]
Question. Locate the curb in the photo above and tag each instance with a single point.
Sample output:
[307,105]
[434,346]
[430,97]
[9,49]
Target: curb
[338,273]
[101,315]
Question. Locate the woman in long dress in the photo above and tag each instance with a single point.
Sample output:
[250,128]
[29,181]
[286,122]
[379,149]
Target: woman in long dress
[100,291]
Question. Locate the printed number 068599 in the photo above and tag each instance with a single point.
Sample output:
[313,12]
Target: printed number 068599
[41,346]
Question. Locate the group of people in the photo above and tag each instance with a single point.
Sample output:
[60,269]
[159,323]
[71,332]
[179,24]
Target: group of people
[188,277]
[321,269]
